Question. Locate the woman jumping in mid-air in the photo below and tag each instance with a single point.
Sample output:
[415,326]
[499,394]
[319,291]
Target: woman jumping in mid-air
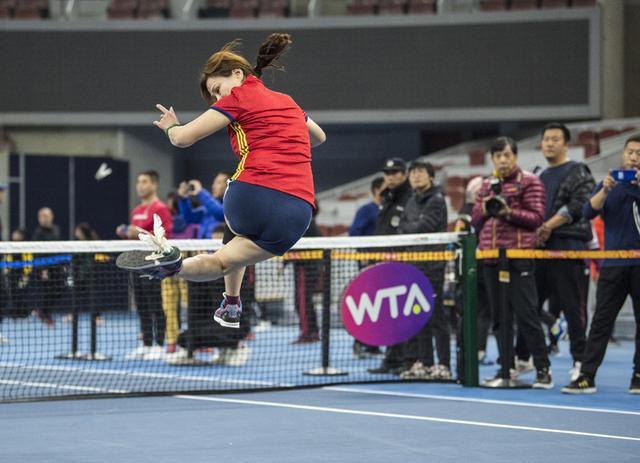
[269,199]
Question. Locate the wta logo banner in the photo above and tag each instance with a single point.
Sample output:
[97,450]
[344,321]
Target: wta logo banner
[387,303]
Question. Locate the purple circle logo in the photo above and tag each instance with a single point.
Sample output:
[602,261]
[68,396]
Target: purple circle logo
[387,303]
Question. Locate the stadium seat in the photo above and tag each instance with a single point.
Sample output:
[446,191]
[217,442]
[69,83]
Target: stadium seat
[524,4]
[392,7]
[244,9]
[362,7]
[591,149]
[455,188]
[421,7]
[215,9]
[606,133]
[590,141]
[122,9]
[477,157]
[554,4]
[583,3]
[492,5]
[31,9]
[153,9]
[7,7]
[274,8]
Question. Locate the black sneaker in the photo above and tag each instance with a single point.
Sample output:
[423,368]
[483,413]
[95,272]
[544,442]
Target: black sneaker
[543,379]
[634,387]
[228,315]
[583,385]
[153,265]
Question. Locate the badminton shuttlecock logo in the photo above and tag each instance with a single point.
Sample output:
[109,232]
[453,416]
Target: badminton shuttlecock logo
[157,240]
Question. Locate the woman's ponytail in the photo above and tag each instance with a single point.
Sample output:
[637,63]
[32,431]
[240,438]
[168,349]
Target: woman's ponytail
[271,49]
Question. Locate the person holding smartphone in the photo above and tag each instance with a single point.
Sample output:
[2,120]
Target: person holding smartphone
[210,213]
[618,203]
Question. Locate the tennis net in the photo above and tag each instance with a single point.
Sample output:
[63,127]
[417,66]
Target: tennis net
[75,325]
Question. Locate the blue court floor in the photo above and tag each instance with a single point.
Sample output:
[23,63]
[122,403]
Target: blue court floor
[407,422]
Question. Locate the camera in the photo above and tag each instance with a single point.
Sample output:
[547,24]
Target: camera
[497,203]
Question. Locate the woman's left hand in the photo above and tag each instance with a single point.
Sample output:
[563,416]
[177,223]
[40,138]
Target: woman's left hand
[167,119]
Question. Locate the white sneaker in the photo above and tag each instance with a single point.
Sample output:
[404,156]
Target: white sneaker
[574,373]
[417,371]
[524,366]
[263,325]
[239,356]
[4,339]
[154,353]
[138,353]
[179,354]
[441,372]
[219,357]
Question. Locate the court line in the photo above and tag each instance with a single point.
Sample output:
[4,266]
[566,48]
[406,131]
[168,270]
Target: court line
[98,371]
[347,411]
[68,387]
[480,401]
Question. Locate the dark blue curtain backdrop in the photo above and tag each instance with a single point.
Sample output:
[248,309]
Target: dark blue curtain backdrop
[103,203]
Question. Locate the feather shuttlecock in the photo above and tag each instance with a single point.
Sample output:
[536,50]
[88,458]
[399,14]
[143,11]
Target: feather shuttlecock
[157,240]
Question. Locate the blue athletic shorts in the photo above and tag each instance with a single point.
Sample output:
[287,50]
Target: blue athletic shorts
[273,220]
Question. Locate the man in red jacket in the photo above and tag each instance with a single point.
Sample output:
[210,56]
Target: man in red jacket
[509,209]
[147,293]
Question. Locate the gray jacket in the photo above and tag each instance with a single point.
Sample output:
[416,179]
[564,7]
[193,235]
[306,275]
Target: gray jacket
[425,213]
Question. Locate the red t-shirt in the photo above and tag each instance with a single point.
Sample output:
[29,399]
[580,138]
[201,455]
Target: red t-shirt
[269,134]
[142,216]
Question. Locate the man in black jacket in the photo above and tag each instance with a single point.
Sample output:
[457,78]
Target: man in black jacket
[50,278]
[568,185]
[395,194]
[426,212]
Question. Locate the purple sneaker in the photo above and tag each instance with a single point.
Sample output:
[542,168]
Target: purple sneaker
[228,315]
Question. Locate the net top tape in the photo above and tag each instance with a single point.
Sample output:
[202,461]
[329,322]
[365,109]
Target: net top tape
[339,242]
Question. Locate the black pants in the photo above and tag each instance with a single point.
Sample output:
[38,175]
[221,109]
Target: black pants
[204,298]
[562,283]
[522,300]
[484,311]
[149,304]
[420,347]
[614,284]
[306,276]
[437,328]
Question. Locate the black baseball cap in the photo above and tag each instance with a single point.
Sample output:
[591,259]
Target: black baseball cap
[394,165]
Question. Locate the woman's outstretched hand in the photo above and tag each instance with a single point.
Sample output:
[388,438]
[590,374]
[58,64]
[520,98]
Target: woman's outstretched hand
[168,118]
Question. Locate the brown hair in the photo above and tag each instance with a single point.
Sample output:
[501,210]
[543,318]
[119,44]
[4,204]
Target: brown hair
[152,174]
[222,62]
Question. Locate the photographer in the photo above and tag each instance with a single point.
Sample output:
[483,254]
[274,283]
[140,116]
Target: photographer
[509,209]
[211,212]
[618,203]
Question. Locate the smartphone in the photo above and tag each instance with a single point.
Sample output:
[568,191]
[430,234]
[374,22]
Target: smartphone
[624,175]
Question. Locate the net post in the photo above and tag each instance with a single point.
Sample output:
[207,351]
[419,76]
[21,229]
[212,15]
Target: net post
[470,310]
[325,329]
[73,352]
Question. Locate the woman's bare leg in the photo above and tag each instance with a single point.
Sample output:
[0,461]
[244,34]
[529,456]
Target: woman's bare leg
[233,256]
[233,282]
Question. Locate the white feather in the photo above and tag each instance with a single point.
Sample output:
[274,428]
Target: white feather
[157,240]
